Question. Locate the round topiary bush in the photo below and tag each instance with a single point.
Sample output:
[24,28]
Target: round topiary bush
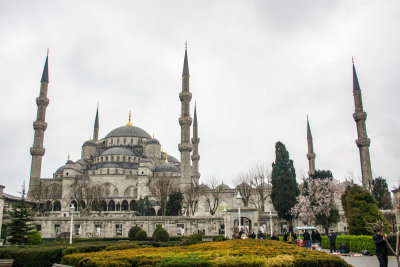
[34,238]
[141,235]
[132,232]
[161,235]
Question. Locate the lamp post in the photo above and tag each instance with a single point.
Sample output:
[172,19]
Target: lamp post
[239,202]
[270,221]
[225,222]
[72,208]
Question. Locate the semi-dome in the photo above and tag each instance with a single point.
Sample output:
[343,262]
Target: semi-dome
[61,169]
[166,167]
[128,131]
[152,141]
[89,143]
[118,151]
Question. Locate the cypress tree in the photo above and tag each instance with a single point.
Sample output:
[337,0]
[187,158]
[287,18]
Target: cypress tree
[174,204]
[284,185]
[381,193]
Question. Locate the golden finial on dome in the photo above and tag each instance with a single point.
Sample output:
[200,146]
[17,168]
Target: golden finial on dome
[186,44]
[68,156]
[129,122]
[166,157]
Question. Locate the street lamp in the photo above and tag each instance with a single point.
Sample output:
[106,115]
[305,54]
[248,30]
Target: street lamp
[225,222]
[72,208]
[239,202]
[270,221]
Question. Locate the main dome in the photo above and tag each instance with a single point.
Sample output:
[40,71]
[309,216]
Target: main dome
[128,131]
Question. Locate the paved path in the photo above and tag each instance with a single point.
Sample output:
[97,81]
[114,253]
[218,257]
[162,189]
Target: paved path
[368,261]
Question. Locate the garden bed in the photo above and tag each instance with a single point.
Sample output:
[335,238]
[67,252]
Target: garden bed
[227,253]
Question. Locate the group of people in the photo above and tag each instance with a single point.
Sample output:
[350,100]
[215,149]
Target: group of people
[260,235]
[315,237]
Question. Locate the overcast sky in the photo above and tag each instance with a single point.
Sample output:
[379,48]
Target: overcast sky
[257,69]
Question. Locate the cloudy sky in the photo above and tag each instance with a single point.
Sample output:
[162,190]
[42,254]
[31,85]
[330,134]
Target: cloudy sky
[257,69]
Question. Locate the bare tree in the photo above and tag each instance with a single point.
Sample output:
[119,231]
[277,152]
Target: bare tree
[87,195]
[191,194]
[260,180]
[212,192]
[161,188]
[243,185]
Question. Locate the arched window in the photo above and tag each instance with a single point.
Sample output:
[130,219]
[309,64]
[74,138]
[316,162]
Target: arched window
[123,158]
[117,141]
[48,206]
[111,205]
[73,202]
[108,171]
[111,141]
[117,158]
[132,205]
[57,206]
[124,141]
[103,205]
[82,205]
[112,158]
[125,206]
[118,207]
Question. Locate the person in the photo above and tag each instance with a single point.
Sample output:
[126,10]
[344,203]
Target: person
[252,235]
[318,238]
[260,235]
[343,249]
[275,236]
[381,249]
[313,236]
[332,241]
[307,240]
[290,236]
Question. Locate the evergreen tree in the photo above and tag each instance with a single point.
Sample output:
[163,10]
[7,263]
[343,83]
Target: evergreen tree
[381,193]
[284,186]
[361,210]
[322,174]
[20,225]
[174,204]
[142,207]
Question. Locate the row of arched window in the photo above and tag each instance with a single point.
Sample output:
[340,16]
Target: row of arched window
[117,159]
[111,205]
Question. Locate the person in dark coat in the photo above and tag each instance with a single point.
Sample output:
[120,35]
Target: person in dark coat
[260,235]
[307,240]
[381,248]
[318,237]
[332,241]
[275,236]
[313,236]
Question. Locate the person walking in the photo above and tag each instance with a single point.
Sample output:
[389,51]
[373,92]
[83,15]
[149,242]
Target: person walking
[313,236]
[381,249]
[318,238]
[307,240]
[332,241]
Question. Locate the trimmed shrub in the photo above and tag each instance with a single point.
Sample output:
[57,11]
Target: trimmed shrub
[160,235]
[122,246]
[355,243]
[132,232]
[141,235]
[34,238]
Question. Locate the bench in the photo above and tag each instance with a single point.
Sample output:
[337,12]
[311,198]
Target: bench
[6,262]
[60,265]
[207,239]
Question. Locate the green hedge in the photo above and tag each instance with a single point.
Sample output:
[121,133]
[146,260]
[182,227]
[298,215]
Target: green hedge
[356,243]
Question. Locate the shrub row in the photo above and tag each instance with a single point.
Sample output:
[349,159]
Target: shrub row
[247,252]
[355,243]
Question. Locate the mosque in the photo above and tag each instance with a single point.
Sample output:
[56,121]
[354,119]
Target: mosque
[102,188]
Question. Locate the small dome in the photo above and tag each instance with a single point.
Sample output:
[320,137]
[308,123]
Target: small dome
[89,143]
[61,169]
[118,151]
[69,162]
[166,167]
[223,187]
[128,131]
[152,141]
[170,158]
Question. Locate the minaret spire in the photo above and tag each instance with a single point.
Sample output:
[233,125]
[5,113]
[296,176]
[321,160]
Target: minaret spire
[185,121]
[310,154]
[37,150]
[96,125]
[195,142]
[363,141]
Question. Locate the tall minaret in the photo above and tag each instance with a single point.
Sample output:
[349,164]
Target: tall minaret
[310,154]
[37,150]
[96,126]
[185,121]
[195,154]
[363,141]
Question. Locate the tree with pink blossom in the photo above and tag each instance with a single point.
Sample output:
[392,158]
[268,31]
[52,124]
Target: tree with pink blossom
[318,207]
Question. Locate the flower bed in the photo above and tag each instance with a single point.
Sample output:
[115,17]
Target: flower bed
[227,253]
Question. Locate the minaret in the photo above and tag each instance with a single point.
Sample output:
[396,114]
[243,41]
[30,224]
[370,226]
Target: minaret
[195,154]
[185,121]
[310,154]
[37,150]
[96,126]
[363,141]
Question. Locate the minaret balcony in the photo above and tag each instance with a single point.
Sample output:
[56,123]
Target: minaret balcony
[185,96]
[363,142]
[39,125]
[185,147]
[360,116]
[195,157]
[42,101]
[195,141]
[185,120]
[37,151]
[311,156]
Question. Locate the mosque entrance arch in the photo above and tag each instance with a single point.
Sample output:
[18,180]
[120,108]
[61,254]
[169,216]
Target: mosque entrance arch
[245,224]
